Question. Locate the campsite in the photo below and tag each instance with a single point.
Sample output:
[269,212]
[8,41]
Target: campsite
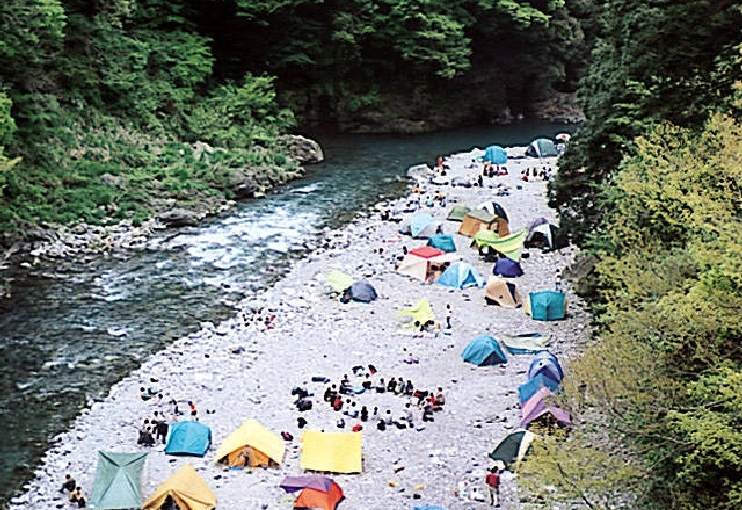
[380,300]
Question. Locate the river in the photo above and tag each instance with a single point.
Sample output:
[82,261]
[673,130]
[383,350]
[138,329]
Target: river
[66,338]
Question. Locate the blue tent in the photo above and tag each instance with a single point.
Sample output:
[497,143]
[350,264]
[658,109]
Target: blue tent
[530,387]
[495,155]
[419,222]
[362,291]
[460,275]
[188,438]
[443,242]
[507,267]
[541,148]
[546,305]
[484,350]
[547,364]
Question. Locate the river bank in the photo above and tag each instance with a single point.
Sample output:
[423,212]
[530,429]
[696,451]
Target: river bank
[240,369]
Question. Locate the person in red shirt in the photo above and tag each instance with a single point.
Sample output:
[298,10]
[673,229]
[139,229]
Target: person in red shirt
[492,479]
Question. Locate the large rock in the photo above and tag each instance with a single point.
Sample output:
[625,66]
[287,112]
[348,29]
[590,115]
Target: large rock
[303,150]
[179,217]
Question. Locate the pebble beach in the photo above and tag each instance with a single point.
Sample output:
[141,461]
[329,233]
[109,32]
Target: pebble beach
[297,334]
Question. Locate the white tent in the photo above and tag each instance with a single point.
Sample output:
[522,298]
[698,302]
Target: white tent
[420,267]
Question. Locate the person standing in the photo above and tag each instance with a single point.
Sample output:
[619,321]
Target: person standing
[492,479]
[448,316]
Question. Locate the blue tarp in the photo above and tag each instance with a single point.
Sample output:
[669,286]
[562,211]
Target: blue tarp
[547,364]
[443,242]
[530,387]
[507,267]
[188,438]
[496,155]
[460,275]
[484,350]
[546,305]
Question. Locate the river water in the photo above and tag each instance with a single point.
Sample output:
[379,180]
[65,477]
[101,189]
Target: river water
[67,338]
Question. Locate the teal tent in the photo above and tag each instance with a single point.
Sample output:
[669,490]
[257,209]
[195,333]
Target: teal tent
[484,350]
[458,212]
[118,481]
[460,275]
[443,242]
[495,155]
[421,225]
[546,305]
[188,438]
[541,148]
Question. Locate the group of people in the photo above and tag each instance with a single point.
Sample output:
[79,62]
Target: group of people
[535,173]
[74,492]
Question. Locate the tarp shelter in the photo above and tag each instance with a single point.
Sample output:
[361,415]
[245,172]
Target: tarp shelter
[541,148]
[251,445]
[502,293]
[426,263]
[458,212]
[507,267]
[525,343]
[118,481]
[546,305]
[362,291]
[315,491]
[494,208]
[475,221]
[510,246]
[420,312]
[495,155]
[188,438]
[443,242]
[338,281]
[421,226]
[532,385]
[460,275]
[188,490]
[535,407]
[546,363]
[513,448]
[331,452]
[483,350]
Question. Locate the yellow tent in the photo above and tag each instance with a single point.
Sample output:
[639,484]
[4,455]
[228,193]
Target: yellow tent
[338,280]
[421,312]
[188,490]
[510,245]
[253,445]
[331,452]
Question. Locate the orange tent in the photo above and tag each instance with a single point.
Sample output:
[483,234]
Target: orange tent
[315,498]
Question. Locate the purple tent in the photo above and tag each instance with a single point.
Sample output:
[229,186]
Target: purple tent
[507,267]
[535,407]
[296,483]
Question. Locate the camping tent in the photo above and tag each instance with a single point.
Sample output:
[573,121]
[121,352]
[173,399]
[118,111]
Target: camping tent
[541,148]
[476,220]
[535,407]
[494,208]
[421,226]
[495,155]
[532,385]
[525,343]
[546,305]
[426,262]
[362,291]
[118,481]
[188,438]
[443,242]
[507,267]
[338,280]
[513,448]
[546,363]
[187,489]
[502,293]
[331,452]
[420,312]
[483,350]
[315,491]
[460,275]
[458,212]
[251,445]
[510,246]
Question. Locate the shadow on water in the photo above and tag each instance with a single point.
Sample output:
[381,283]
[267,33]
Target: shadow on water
[67,336]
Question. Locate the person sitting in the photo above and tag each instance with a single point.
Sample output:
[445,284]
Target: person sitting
[341,423]
[392,386]
[367,382]
[337,404]
[400,386]
[69,484]
[440,398]
[388,420]
[408,389]
[330,394]
[301,422]
[352,411]
[428,412]
[381,387]
[364,414]
[380,425]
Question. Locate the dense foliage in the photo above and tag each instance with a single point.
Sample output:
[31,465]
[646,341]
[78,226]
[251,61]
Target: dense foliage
[105,94]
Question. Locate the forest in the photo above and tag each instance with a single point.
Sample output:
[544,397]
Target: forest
[648,188]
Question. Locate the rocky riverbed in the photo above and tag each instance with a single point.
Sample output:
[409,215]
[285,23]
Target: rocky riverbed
[246,367]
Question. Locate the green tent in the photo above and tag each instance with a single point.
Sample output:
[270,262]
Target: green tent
[338,280]
[118,481]
[458,212]
[513,448]
[510,245]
